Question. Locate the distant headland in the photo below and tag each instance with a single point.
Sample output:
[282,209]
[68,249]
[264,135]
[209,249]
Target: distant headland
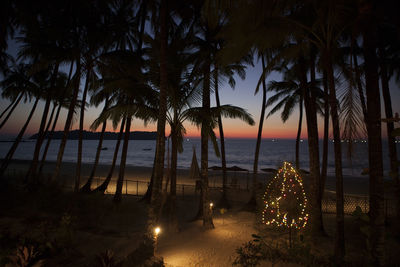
[74,135]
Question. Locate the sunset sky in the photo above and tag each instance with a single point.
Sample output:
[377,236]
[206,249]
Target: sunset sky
[242,96]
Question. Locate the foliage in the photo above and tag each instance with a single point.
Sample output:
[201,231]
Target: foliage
[143,256]
[26,256]
[255,252]
[107,259]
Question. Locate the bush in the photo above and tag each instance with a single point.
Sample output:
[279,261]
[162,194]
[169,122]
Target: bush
[254,252]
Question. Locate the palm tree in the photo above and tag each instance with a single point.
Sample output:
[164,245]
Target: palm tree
[103,187]
[140,105]
[324,163]
[252,203]
[221,72]
[87,20]
[182,92]
[34,85]
[75,81]
[80,141]
[12,86]
[31,174]
[88,184]
[289,93]
[377,216]
[155,202]
[123,75]
[61,100]
[386,53]
[124,25]
[13,104]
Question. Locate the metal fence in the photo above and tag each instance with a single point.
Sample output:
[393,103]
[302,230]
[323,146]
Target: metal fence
[352,201]
[139,188]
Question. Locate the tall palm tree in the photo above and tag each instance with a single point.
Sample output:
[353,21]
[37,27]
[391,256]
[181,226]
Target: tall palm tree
[12,87]
[103,187]
[289,93]
[31,176]
[156,199]
[220,73]
[377,216]
[88,184]
[386,53]
[80,132]
[252,202]
[87,17]
[61,100]
[34,84]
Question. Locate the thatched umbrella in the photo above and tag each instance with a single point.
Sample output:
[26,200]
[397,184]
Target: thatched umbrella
[194,167]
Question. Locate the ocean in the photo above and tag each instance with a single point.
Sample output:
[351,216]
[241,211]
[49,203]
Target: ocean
[239,152]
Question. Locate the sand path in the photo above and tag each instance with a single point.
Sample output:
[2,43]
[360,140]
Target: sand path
[194,246]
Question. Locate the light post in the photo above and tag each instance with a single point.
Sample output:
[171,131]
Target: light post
[157,231]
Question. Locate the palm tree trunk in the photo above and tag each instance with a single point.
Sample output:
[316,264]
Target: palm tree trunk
[316,223]
[120,181]
[55,120]
[103,187]
[10,154]
[31,176]
[252,203]
[80,141]
[173,220]
[299,132]
[53,110]
[223,203]
[325,144]
[68,120]
[10,105]
[394,172]
[376,188]
[15,104]
[147,195]
[205,128]
[339,238]
[49,138]
[156,197]
[88,184]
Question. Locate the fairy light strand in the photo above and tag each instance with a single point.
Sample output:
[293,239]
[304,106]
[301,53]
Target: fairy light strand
[285,202]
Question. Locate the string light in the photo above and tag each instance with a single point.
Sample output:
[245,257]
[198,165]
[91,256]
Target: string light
[285,201]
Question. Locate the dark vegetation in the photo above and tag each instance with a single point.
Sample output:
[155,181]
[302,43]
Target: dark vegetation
[61,228]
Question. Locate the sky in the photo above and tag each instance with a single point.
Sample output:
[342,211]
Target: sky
[242,95]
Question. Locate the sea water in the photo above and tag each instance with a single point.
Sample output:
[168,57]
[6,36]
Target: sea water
[239,152]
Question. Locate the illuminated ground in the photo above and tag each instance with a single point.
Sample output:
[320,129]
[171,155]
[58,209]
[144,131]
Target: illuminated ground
[196,247]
